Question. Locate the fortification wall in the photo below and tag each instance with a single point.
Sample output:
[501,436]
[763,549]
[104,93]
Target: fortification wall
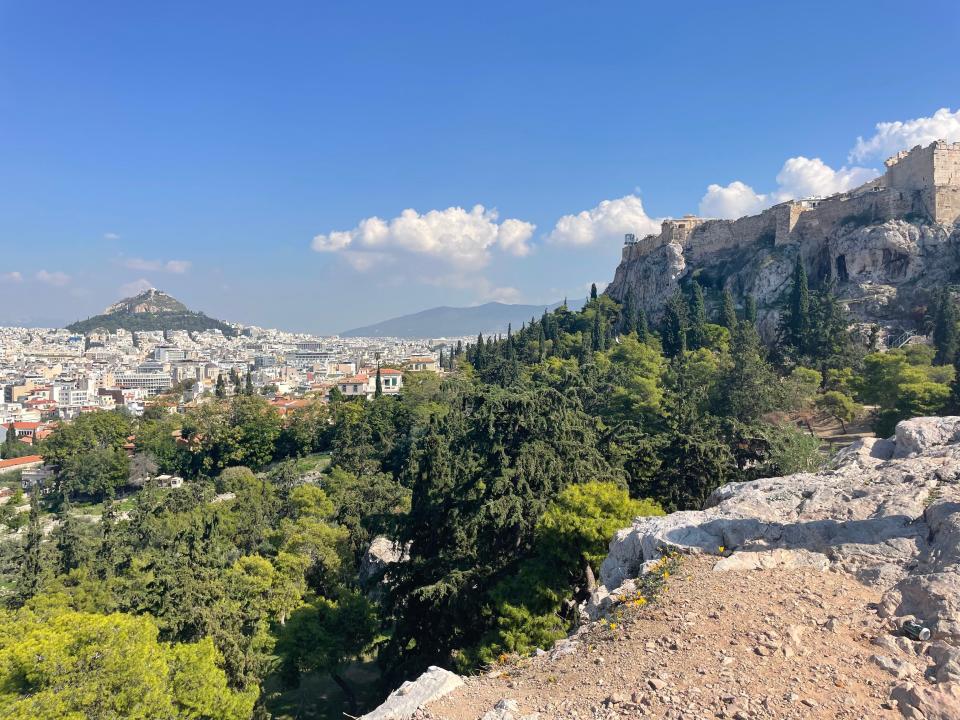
[715,236]
[911,170]
[946,176]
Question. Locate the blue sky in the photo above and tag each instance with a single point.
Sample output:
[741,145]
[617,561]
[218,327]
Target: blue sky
[229,152]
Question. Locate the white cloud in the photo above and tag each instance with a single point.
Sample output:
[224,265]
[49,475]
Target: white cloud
[455,236]
[890,137]
[800,177]
[177,267]
[13,277]
[607,222]
[135,288]
[111,236]
[732,201]
[56,278]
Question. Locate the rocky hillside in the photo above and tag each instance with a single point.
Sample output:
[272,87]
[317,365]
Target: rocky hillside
[790,604]
[150,310]
[883,270]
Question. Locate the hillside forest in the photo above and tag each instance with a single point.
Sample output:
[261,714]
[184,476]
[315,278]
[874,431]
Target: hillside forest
[498,484]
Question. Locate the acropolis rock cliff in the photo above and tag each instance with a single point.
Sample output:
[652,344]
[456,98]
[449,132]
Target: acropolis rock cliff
[885,244]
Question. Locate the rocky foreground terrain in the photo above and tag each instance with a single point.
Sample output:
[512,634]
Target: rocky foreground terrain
[789,603]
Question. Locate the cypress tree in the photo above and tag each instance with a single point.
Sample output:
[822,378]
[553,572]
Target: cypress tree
[675,326]
[248,387]
[628,314]
[68,539]
[10,442]
[643,331]
[945,329]
[698,318]
[378,388]
[32,565]
[750,310]
[729,311]
[795,326]
[593,293]
[541,344]
[596,336]
[221,389]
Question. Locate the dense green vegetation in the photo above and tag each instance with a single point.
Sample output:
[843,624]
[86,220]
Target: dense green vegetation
[501,483]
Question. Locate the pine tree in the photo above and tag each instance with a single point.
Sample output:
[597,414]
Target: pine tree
[750,310]
[698,318]
[675,326]
[945,338]
[728,311]
[593,293]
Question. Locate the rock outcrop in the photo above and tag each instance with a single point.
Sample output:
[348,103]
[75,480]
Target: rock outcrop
[413,695]
[888,512]
[883,246]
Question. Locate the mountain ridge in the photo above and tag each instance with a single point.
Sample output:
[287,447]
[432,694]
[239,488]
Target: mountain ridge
[449,321]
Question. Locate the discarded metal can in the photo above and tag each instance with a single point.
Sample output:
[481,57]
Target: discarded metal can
[915,630]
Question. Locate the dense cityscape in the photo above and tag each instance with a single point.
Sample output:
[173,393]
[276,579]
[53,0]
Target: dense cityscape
[50,375]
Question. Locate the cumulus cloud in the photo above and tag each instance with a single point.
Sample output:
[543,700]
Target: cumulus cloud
[455,236]
[732,201]
[56,278]
[800,177]
[607,222]
[135,287]
[13,277]
[177,267]
[890,137]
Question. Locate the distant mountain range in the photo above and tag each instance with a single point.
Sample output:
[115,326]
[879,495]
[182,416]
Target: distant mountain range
[150,310]
[445,321]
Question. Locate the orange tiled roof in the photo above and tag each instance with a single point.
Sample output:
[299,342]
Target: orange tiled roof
[14,462]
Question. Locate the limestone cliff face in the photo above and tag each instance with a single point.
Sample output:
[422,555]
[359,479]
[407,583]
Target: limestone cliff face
[883,271]
[886,245]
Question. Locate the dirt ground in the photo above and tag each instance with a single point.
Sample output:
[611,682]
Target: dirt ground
[752,644]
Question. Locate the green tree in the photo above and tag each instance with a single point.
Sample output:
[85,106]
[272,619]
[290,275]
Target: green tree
[675,326]
[748,386]
[945,338]
[593,291]
[34,570]
[839,406]
[84,665]
[750,310]
[221,388]
[728,311]
[642,330]
[324,635]
[697,333]
[795,322]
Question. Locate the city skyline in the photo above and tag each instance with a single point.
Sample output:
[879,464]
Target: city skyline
[336,177]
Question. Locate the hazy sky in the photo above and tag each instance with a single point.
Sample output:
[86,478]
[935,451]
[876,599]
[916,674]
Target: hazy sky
[319,165]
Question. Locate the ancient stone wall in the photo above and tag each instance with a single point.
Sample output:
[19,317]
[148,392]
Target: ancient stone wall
[946,176]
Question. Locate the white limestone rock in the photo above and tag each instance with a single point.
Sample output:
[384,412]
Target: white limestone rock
[414,694]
